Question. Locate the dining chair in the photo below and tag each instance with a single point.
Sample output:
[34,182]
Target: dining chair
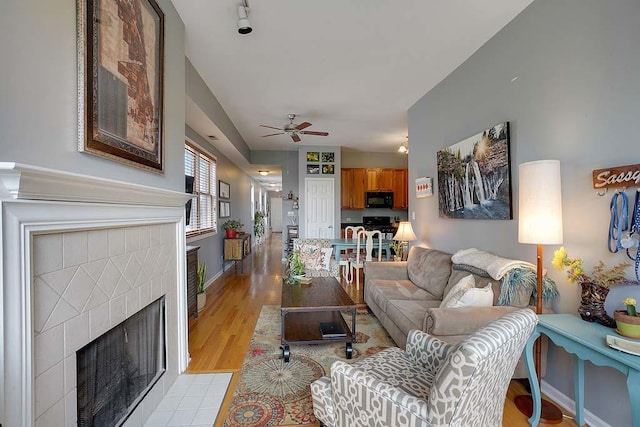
[350,232]
[366,242]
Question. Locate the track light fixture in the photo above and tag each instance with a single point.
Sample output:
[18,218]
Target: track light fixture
[244,26]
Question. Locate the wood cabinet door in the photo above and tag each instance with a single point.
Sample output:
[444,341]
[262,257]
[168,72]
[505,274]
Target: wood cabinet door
[372,179]
[357,189]
[385,180]
[400,189]
[346,187]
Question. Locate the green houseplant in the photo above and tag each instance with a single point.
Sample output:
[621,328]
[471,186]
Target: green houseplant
[296,266]
[231,227]
[201,296]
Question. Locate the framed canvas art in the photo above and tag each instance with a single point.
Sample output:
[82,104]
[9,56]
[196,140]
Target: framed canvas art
[120,81]
[327,169]
[313,156]
[328,157]
[474,176]
[224,189]
[225,209]
[424,187]
[313,169]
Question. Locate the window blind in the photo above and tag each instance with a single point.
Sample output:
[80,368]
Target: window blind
[204,201]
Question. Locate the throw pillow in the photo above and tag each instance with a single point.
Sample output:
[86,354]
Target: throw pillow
[326,258]
[311,257]
[475,297]
[458,290]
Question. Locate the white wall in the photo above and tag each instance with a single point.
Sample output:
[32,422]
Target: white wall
[565,75]
[38,94]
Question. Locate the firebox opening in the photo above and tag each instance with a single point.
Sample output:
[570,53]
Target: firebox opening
[117,370]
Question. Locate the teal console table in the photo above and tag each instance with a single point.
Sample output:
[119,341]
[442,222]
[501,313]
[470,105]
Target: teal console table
[586,341]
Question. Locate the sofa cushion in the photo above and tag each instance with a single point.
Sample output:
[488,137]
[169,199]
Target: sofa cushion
[407,315]
[429,269]
[381,291]
[454,294]
[481,282]
[474,297]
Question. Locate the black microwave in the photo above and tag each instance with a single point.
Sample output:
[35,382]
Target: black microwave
[379,199]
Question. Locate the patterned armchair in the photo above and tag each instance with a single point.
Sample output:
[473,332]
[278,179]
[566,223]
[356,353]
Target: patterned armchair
[432,383]
[317,256]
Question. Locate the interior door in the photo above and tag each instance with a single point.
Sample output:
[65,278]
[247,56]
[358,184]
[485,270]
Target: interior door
[319,208]
[276,214]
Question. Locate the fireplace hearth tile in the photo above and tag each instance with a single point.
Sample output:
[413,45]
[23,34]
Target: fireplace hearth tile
[190,402]
[197,390]
[182,418]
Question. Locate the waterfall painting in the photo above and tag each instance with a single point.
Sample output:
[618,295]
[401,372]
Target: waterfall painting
[474,176]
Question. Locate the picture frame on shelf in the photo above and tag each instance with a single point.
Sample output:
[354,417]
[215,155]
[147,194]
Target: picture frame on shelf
[120,81]
[224,189]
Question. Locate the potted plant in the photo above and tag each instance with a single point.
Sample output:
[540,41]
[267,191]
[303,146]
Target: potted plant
[296,266]
[231,227]
[258,225]
[202,295]
[628,321]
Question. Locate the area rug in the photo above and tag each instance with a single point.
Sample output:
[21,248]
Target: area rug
[271,392]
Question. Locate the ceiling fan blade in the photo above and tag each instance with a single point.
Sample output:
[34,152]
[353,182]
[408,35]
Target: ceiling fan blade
[295,137]
[273,134]
[309,132]
[303,125]
[270,127]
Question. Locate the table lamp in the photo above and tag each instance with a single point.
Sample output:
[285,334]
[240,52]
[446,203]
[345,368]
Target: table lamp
[404,234]
[539,223]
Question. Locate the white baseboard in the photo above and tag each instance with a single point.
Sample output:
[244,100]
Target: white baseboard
[570,405]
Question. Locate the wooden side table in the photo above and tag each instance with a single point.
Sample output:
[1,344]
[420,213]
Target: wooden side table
[586,341]
[237,249]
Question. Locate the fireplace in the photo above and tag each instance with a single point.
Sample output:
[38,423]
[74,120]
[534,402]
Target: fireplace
[81,255]
[117,370]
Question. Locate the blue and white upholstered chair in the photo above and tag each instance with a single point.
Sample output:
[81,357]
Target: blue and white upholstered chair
[432,383]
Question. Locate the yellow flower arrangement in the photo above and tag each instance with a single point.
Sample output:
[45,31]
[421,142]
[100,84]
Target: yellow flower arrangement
[601,275]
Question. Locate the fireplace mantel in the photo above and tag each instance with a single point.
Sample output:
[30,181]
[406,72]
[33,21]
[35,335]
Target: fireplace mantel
[21,181]
[37,203]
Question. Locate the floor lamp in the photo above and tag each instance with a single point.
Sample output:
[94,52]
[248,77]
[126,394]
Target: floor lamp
[539,223]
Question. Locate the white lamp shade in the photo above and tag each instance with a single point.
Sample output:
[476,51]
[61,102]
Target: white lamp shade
[405,232]
[540,203]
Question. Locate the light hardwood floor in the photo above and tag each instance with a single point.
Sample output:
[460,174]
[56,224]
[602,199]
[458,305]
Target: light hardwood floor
[220,336]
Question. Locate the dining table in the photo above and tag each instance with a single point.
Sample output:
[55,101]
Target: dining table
[340,245]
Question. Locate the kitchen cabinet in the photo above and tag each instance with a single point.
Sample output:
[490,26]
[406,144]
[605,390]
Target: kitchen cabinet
[400,189]
[352,188]
[379,179]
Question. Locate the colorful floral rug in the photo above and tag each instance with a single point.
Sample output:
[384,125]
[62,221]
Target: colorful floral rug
[271,392]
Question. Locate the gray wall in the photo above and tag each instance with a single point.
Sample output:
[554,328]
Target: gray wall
[38,94]
[576,98]
[360,159]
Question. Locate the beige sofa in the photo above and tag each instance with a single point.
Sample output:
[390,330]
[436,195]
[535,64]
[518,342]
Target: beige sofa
[407,295]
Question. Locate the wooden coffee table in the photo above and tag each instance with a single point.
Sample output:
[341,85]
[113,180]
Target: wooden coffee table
[304,307]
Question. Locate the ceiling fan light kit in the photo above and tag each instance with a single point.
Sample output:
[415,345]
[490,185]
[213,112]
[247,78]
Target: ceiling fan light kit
[244,26]
[294,131]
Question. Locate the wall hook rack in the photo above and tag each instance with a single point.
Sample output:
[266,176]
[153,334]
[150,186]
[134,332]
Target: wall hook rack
[619,177]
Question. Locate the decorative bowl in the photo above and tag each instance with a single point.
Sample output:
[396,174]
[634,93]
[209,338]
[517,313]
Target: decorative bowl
[627,326]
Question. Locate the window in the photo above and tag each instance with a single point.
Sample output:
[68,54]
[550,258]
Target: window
[202,168]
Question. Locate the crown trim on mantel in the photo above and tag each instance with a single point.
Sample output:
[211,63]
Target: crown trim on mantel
[20,181]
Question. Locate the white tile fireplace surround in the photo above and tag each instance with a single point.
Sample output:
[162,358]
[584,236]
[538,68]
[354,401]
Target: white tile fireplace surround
[80,255]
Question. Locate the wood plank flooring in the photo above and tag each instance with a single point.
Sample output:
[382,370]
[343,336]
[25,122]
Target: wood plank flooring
[220,336]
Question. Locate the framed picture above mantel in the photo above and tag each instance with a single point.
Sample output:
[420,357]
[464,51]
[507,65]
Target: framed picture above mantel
[120,81]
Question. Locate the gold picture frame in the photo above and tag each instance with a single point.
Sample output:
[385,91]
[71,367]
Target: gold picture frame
[120,81]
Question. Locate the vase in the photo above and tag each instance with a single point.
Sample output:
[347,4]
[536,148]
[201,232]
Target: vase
[201,300]
[627,326]
[231,233]
[592,304]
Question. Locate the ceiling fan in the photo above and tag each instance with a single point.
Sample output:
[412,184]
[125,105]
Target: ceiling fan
[294,130]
